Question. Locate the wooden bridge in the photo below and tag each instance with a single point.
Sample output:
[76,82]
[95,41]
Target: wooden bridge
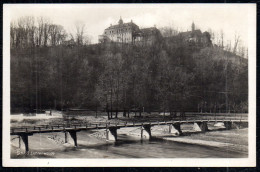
[111,128]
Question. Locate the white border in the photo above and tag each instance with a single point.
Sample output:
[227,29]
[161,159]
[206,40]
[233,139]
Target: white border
[153,162]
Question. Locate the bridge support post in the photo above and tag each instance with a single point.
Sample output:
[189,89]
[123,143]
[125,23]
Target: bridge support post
[234,125]
[66,137]
[73,135]
[111,134]
[146,128]
[170,128]
[25,141]
[176,126]
[242,125]
[19,141]
[201,126]
[228,125]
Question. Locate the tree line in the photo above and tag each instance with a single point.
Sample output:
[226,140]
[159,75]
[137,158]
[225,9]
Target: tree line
[29,31]
[166,76]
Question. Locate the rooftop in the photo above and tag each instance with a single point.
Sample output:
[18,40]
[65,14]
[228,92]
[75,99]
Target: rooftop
[148,31]
[121,25]
[188,33]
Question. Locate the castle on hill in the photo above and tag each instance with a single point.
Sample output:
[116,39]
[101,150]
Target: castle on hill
[195,36]
[131,33]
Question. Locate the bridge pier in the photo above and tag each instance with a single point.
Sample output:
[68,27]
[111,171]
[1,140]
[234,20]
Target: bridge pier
[24,138]
[146,131]
[242,125]
[228,125]
[111,134]
[66,137]
[235,125]
[176,126]
[19,141]
[201,126]
[73,135]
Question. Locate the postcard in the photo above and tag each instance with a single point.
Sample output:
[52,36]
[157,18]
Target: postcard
[122,85]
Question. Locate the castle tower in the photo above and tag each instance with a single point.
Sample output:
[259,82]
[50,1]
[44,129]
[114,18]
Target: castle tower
[120,21]
[192,26]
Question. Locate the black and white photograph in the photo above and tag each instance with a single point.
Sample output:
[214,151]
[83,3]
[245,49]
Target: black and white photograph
[129,85]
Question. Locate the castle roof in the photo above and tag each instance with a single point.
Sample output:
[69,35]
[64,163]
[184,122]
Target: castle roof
[191,33]
[122,25]
[149,31]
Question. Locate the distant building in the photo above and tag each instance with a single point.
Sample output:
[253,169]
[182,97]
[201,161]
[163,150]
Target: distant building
[70,43]
[129,33]
[196,36]
[147,35]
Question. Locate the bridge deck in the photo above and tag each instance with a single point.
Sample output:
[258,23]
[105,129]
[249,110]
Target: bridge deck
[103,125]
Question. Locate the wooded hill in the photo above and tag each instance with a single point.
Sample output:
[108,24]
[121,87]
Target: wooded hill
[164,76]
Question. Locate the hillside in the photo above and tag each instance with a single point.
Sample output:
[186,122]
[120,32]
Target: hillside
[165,76]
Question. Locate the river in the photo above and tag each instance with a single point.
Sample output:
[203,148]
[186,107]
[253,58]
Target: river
[129,147]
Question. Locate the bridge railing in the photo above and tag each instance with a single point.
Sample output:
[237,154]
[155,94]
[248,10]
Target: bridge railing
[63,126]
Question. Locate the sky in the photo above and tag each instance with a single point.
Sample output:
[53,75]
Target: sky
[231,18]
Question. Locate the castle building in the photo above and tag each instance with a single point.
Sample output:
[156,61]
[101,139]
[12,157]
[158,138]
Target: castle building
[195,36]
[129,33]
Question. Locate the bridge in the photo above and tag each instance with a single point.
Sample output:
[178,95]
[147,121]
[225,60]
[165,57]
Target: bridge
[111,128]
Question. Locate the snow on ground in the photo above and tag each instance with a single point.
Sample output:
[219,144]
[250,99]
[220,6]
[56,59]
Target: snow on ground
[235,140]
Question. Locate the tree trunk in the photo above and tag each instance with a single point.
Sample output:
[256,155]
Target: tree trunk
[124,114]
[174,114]
[96,111]
[116,113]
[108,114]
[108,117]
[111,100]
[111,114]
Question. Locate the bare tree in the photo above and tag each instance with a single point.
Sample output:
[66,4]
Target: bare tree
[247,52]
[13,29]
[228,46]
[168,31]
[241,51]
[222,38]
[86,40]
[80,31]
[22,32]
[236,42]
[43,29]
[213,36]
[46,32]
[40,21]
[30,28]
[57,34]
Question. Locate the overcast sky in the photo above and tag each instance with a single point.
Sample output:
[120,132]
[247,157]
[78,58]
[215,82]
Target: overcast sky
[231,18]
